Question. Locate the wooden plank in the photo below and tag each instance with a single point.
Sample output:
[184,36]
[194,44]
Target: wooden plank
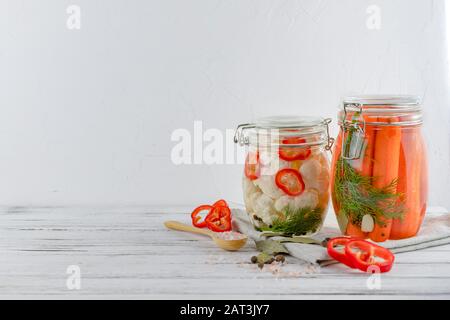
[126,252]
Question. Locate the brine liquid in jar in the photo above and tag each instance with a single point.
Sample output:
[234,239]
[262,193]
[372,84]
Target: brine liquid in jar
[286,173]
[379,176]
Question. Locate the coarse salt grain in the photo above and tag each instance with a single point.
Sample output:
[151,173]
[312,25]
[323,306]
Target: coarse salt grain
[230,235]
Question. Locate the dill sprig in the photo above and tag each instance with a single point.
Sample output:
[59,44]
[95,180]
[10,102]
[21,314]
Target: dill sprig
[356,193]
[357,196]
[296,221]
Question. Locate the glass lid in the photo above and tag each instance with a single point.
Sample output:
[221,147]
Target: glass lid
[311,131]
[382,109]
[382,100]
[286,122]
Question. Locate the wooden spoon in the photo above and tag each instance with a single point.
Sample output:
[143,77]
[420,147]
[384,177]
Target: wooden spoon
[226,244]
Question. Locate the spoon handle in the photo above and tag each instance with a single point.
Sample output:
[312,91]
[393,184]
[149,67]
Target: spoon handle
[175,225]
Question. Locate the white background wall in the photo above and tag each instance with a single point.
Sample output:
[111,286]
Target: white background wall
[86,115]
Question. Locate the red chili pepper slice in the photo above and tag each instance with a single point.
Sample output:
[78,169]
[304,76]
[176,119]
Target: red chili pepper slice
[340,255]
[196,218]
[364,254]
[291,153]
[290,181]
[219,219]
[220,202]
[252,167]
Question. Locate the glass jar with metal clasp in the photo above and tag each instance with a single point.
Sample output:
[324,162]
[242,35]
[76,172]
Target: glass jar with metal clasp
[379,178]
[286,173]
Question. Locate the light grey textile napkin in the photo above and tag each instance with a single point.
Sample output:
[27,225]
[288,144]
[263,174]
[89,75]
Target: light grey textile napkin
[435,231]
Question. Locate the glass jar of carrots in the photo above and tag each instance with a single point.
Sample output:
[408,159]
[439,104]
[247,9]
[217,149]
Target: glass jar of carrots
[286,173]
[379,168]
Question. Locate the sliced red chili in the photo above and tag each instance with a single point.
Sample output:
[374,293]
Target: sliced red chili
[364,254]
[339,255]
[290,181]
[220,202]
[252,167]
[196,218]
[291,153]
[219,219]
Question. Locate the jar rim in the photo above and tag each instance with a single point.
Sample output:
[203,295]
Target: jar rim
[398,100]
[288,121]
[404,109]
[315,130]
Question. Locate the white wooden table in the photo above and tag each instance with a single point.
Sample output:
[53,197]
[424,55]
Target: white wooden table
[125,252]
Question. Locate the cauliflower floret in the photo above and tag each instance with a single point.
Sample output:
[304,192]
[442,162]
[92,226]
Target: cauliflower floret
[268,186]
[263,208]
[310,170]
[309,198]
[250,191]
[315,175]
[248,186]
[271,163]
[283,202]
[322,183]
[250,200]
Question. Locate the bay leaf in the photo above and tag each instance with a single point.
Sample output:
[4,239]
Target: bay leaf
[304,240]
[263,257]
[270,247]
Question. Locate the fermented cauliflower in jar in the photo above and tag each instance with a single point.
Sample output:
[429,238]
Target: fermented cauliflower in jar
[286,175]
[287,192]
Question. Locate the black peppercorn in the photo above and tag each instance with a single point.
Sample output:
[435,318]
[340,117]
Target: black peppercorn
[325,242]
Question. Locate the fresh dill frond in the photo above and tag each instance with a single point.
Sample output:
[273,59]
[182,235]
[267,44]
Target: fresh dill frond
[357,196]
[297,221]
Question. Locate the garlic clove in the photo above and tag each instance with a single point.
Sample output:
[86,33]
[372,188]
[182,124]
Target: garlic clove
[367,223]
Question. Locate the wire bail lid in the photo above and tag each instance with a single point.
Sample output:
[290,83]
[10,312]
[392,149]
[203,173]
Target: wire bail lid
[359,111]
[394,110]
[356,127]
[267,130]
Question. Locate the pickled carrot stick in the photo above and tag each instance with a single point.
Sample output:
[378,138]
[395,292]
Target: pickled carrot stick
[366,170]
[409,185]
[367,165]
[355,231]
[423,179]
[413,206]
[398,225]
[385,169]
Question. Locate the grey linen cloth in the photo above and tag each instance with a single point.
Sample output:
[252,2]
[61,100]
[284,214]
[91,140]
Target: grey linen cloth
[435,231]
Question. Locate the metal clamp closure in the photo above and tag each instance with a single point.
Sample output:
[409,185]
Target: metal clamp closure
[242,139]
[239,134]
[353,133]
[330,140]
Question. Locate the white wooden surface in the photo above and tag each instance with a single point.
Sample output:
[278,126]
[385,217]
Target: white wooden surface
[125,252]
